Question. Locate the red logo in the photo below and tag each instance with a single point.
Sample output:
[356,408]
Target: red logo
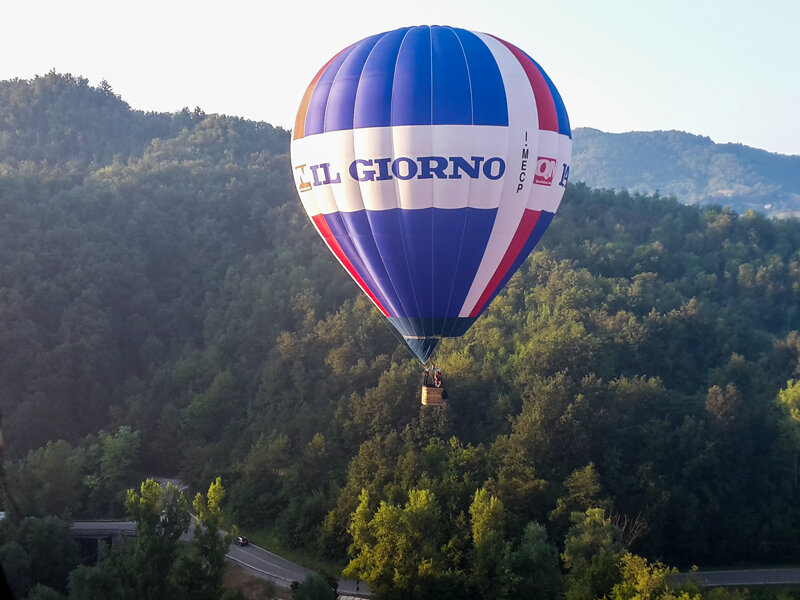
[545,169]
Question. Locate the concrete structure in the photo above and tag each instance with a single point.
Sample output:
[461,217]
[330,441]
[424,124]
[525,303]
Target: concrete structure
[110,532]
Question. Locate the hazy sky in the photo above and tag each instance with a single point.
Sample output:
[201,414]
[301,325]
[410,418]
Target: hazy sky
[728,69]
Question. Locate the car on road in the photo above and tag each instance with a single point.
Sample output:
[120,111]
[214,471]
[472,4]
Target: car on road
[241,541]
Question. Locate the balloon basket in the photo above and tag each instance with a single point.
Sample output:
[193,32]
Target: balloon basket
[432,396]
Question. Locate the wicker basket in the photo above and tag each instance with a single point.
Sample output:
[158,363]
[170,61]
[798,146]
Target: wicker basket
[432,396]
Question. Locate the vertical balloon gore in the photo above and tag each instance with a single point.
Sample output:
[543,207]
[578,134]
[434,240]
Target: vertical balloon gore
[431,160]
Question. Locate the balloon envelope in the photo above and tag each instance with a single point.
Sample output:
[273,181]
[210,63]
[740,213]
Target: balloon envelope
[431,160]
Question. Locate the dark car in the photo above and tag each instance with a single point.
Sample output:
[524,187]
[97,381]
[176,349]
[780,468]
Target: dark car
[241,541]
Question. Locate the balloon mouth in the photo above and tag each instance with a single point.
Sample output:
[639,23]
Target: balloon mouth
[422,347]
[423,334]
[431,327]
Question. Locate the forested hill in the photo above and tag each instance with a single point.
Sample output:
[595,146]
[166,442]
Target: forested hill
[166,307]
[689,167]
[118,229]
[60,122]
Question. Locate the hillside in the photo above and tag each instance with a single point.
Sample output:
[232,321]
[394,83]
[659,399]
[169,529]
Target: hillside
[689,167]
[166,307]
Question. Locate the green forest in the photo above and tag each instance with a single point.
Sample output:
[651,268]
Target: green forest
[630,401]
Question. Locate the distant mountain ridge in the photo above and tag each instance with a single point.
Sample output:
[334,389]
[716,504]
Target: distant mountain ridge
[690,167]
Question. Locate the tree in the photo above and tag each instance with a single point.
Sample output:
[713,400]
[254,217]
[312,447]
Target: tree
[789,399]
[487,514]
[488,538]
[44,592]
[200,572]
[592,551]
[315,587]
[52,550]
[582,492]
[92,583]
[643,580]
[49,480]
[503,569]
[396,549]
[532,568]
[16,564]
[161,517]
[723,407]
[119,452]
[204,415]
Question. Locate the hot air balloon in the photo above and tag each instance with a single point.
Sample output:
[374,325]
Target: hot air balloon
[431,160]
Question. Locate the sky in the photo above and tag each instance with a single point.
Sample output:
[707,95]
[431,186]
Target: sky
[726,69]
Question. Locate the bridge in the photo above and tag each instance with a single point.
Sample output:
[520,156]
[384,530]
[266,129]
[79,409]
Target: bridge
[257,561]
[110,532]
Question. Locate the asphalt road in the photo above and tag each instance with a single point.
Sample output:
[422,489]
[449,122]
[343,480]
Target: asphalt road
[744,578]
[254,559]
[266,565]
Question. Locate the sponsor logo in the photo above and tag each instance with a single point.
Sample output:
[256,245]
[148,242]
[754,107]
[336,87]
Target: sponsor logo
[405,168]
[545,169]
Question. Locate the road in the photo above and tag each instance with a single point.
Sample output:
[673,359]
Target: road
[745,577]
[265,565]
[256,560]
